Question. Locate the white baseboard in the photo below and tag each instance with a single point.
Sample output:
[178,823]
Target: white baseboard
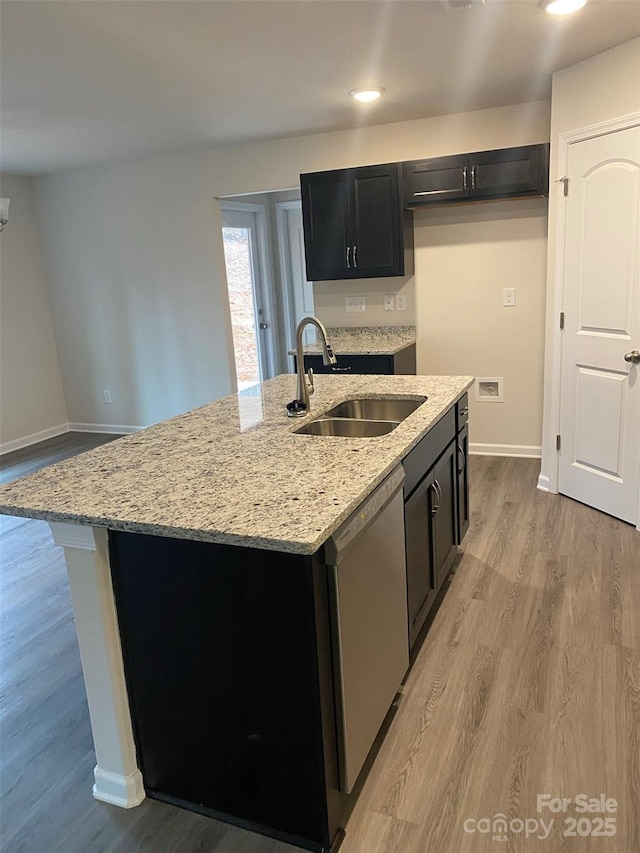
[34,438]
[526,451]
[124,791]
[107,429]
[544,483]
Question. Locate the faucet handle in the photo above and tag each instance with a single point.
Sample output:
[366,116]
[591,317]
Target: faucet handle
[310,385]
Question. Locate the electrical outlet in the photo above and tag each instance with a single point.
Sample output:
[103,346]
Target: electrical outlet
[508,297]
[401,302]
[355,304]
[389,300]
[107,396]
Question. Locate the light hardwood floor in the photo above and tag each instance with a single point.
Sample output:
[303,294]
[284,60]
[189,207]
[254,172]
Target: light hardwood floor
[528,682]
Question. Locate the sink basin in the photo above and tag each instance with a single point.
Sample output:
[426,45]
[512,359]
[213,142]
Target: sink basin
[375,409]
[347,428]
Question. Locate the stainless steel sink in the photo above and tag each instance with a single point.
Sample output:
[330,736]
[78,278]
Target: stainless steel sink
[375,409]
[345,428]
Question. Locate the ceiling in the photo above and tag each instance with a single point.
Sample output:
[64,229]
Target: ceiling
[90,81]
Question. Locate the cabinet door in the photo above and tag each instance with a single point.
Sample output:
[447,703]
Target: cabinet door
[510,172]
[436,180]
[375,222]
[421,579]
[325,213]
[444,514]
[463,483]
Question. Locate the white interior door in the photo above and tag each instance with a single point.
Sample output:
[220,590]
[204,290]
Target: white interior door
[600,390]
[298,292]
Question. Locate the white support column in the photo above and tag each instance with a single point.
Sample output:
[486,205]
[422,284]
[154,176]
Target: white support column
[118,779]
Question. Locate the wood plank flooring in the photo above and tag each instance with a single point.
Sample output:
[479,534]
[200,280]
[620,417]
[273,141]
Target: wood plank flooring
[527,683]
[21,462]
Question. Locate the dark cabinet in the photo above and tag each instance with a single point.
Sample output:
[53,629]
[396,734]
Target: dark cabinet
[484,175]
[444,513]
[436,180]
[462,447]
[354,224]
[402,362]
[421,578]
[430,518]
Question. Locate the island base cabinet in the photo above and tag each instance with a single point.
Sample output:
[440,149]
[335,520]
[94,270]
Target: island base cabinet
[228,666]
[430,518]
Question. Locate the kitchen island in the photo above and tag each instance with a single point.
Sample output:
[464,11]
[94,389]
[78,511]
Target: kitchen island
[195,552]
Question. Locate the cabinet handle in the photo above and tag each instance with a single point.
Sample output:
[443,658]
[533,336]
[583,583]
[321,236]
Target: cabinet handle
[464,459]
[355,261]
[348,262]
[473,177]
[464,178]
[340,369]
[436,507]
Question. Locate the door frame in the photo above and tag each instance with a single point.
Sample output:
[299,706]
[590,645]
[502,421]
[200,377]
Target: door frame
[548,481]
[281,208]
[266,285]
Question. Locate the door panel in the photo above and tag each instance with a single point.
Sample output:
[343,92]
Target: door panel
[436,180]
[375,218]
[600,408]
[610,186]
[599,419]
[326,213]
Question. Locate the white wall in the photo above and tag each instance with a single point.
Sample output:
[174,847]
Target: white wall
[465,256]
[604,87]
[136,265]
[32,404]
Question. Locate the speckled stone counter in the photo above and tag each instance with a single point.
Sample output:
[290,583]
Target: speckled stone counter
[366,340]
[233,471]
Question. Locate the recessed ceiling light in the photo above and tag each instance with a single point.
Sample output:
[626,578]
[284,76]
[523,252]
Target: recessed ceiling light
[366,95]
[562,7]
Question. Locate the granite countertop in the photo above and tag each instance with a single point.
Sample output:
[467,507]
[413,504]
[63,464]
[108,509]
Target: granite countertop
[233,471]
[365,340]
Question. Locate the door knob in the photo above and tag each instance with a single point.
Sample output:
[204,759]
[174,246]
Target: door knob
[264,325]
[633,356]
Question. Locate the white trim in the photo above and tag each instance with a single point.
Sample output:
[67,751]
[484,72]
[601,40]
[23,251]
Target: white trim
[73,535]
[284,258]
[549,475]
[543,483]
[107,429]
[118,790]
[525,451]
[117,777]
[34,438]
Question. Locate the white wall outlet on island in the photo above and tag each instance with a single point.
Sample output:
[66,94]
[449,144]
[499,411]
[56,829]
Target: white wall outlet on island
[389,302]
[107,396]
[355,304]
[508,297]
[401,302]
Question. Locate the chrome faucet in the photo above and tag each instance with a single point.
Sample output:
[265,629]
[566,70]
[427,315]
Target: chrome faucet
[304,387]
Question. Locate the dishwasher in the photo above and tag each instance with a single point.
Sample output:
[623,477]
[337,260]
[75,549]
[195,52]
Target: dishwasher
[369,627]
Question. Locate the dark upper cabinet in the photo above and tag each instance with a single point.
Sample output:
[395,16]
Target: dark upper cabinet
[354,224]
[436,180]
[504,173]
[509,172]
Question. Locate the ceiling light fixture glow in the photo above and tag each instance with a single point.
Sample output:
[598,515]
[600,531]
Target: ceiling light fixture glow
[562,7]
[366,95]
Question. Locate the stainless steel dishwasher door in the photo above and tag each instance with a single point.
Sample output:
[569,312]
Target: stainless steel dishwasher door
[368,595]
